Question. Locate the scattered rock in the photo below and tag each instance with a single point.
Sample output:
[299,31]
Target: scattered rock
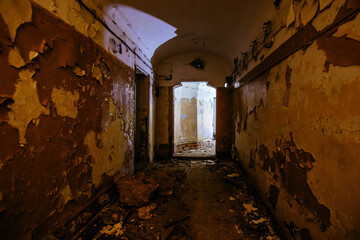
[145,212]
[136,190]
[249,208]
[179,232]
[233,175]
[115,230]
[260,220]
[165,182]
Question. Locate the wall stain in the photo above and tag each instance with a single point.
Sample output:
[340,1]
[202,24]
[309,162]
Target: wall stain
[288,86]
[340,51]
[273,195]
[51,174]
[290,165]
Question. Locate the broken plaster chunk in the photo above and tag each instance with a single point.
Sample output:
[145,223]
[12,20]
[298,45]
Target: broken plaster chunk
[249,208]
[145,212]
[136,190]
[113,230]
[233,175]
[260,220]
[26,104]
[15,13]
[15,58]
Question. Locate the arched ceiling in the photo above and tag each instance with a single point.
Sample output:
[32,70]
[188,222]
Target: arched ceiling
[223,28]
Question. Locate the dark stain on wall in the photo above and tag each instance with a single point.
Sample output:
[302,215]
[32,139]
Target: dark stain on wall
[55,154]
[273,195]
[252,159]
[290,165]
[340,51]
[288,86]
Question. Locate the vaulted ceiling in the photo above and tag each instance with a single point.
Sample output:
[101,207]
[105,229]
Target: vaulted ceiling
[223,28]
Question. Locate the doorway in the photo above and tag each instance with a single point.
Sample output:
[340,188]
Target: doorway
[194,120]
[142,90]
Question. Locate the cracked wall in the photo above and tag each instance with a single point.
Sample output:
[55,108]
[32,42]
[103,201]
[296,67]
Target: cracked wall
[297,131]
[66,118]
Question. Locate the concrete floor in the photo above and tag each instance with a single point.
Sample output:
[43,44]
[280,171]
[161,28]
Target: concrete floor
[210,200]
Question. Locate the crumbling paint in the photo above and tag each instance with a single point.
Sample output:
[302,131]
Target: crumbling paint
[26,105]
[15,13]
[290,166]
[350,29]
[308,11]
[340,51]
[320,111]
[110,155]
[55,106]
[15,58]
[65,102]
[328,15]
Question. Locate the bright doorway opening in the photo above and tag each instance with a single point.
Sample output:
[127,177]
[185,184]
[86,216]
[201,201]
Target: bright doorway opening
[194,120]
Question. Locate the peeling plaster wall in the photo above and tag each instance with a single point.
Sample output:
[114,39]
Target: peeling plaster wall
[193,112]
[205,112]
[66,116]
[297,131]
[185,113]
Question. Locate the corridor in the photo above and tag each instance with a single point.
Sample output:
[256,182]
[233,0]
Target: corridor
[191,119]
[205,200]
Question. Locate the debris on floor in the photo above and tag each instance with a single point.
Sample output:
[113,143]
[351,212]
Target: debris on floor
[181,199]
[135,190]
[249,207]
[233,175]
[145,212]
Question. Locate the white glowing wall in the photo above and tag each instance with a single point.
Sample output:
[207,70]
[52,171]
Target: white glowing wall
[193,112]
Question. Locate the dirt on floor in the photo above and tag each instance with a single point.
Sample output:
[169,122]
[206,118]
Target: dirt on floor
[206,151]
[194,199]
